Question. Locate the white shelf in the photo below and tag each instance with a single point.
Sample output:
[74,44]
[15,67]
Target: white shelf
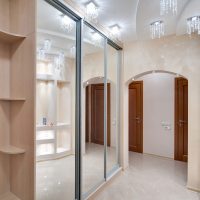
[63,81]
[62,150]
[9,196]
[63,125]
[44,60]
[12,150]
[45,77]
[10,38]
[45,128]
[45,141]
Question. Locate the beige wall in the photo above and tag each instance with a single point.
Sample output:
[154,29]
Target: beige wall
[175,54]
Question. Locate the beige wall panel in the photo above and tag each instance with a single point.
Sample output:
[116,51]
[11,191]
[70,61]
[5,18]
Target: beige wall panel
[22,18]
[5,15]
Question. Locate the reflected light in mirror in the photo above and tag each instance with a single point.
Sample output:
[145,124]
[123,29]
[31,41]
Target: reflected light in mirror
[66,23]
[115,31]
[92,11]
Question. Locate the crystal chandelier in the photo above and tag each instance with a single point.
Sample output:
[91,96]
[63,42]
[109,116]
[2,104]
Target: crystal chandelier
[66,23]
[167,6]
[92,12]
[157,29]
[193,25]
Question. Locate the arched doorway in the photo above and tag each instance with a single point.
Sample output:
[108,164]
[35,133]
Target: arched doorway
[158,123]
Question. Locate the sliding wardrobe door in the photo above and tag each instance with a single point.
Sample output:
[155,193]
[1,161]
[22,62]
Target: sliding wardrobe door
[112,161]
[55,104]
[93,118]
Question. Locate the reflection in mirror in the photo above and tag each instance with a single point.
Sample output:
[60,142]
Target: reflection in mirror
[55,107]
[112,109]
[92,110]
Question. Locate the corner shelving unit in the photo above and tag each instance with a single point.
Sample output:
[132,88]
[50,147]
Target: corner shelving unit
[10,38]
[17,86]
[53,102]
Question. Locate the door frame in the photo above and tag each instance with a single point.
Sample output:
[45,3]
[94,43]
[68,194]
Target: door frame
[142,105]
[90,107]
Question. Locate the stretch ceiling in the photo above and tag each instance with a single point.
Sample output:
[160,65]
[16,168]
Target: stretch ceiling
[134,16]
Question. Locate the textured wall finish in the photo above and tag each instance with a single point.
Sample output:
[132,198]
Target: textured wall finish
[174,54]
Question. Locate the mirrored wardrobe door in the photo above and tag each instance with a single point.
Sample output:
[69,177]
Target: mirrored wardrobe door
[92,110]
[112,162]
[55,104]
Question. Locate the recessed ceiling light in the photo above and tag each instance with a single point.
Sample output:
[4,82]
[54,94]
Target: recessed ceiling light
[92,11]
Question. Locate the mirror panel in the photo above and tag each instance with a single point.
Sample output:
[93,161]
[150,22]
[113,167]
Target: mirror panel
[112,109]
[92,110]
[55,104]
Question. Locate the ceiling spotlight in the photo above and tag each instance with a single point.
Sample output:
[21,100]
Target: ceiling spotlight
[66,23]
[92,12]
[193,25]
[157,29]
[115,31]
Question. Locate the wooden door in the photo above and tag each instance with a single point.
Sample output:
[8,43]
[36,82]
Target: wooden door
[181,119]
[136,116]
[96,113]
[87,113]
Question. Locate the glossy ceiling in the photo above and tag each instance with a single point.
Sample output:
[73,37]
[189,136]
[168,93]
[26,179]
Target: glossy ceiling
[134,16]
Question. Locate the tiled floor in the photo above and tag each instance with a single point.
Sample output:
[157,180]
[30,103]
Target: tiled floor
[150,178]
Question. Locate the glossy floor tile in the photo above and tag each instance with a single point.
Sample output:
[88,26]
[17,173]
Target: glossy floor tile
[55,178]
[150,178]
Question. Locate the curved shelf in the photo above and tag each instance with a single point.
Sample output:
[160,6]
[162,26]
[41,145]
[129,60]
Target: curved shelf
[10,37]
[11,150]
[12,99]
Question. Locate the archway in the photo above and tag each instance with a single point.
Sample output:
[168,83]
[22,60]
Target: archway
[163,123]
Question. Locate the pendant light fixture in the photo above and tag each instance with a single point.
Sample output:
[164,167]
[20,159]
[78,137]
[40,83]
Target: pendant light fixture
[157,29]
[193,25]
[168,6]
